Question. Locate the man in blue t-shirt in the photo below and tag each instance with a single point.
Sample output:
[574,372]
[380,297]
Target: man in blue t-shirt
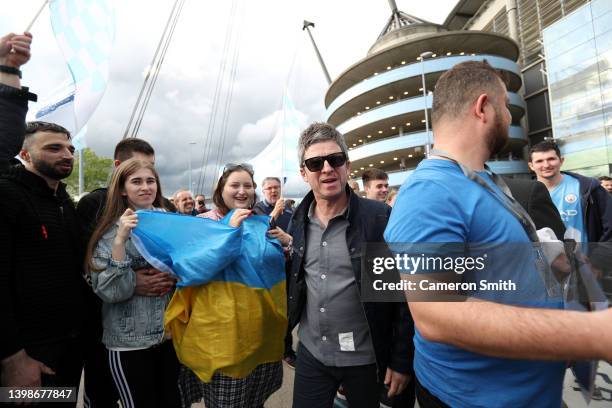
[585,207]
[484,353]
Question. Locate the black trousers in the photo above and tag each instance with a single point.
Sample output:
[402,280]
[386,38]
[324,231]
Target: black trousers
[427,399]
[146,378]
[316,384]
[65,358]
[100,391]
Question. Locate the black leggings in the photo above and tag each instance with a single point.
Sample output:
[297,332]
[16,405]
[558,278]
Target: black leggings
[146,378]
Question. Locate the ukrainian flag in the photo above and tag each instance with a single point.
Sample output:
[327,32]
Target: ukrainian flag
[229,314]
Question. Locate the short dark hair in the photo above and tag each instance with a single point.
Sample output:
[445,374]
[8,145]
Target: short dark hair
[604,178]
[373,174]
[126,148]
[461,85]
[39,126]
[544,146]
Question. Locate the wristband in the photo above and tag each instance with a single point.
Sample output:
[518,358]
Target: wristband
[10,70]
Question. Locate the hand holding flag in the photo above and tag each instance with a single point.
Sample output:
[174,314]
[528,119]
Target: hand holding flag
[15,49]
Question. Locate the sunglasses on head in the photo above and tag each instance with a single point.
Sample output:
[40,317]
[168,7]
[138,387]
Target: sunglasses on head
[317,163]
[243,166]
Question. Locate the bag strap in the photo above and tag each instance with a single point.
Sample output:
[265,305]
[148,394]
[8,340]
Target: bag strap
[506,198]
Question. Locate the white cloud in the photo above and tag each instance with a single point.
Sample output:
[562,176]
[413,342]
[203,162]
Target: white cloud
[272,41]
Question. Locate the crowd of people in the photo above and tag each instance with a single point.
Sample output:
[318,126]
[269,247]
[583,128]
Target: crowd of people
[77,294]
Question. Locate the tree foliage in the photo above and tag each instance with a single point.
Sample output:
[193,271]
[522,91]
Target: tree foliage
[97,171]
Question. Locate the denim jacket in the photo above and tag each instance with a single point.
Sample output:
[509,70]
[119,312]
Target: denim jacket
[129,320]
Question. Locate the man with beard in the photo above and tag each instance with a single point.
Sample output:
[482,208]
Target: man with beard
[496,348]
[40,281]
[41,289]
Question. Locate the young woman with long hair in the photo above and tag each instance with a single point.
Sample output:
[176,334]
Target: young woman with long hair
[143,363]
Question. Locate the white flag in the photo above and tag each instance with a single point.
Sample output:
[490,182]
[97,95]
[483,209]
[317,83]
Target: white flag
[84,30]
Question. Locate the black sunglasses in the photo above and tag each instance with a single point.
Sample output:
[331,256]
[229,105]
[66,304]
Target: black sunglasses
[317,163]
[233,166]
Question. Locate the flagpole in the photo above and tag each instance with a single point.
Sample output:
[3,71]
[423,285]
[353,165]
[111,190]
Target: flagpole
[81,174]
[282,184]
[36,16]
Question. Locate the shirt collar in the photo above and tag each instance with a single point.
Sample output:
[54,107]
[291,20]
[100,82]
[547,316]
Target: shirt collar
[313,218]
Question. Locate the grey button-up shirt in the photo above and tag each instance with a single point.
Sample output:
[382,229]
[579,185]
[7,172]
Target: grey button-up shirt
[333,326]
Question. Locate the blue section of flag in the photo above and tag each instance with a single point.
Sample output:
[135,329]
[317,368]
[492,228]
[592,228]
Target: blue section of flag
[200,250]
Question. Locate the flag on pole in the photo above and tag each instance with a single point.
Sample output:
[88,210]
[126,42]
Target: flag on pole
[85,31]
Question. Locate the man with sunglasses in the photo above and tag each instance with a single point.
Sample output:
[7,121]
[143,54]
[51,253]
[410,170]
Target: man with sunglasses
[342,340]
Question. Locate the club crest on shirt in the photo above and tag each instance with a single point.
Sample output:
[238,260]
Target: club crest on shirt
[570,198]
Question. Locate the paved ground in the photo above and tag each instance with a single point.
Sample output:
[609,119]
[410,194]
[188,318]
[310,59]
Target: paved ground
[573,397]
[571,394]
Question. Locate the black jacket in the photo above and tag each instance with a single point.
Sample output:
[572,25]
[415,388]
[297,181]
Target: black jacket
[391,326]
[41,287]
[283,219]
[89,211]
[40,260]
[535,199]
[13,109]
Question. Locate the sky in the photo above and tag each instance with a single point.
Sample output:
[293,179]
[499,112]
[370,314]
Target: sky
[272,53]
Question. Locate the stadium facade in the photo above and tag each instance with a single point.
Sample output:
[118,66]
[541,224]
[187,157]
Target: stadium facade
[379,105]
[564,58]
